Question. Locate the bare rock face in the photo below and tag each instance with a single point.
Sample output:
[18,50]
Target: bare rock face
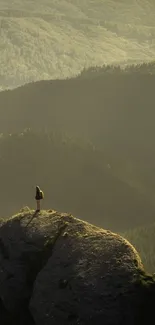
[58,270]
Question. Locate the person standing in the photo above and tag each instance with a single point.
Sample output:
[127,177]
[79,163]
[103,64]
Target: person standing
[38,197]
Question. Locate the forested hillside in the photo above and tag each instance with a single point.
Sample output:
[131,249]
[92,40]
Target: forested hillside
[58,38]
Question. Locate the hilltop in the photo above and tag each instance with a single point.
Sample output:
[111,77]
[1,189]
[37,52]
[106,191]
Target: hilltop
[57,39]
[58,269]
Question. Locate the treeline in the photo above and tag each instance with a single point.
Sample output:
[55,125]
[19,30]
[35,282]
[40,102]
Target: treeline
[145,68]
[75,177]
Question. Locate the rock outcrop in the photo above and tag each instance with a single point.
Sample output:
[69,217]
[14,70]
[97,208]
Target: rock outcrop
[58,270]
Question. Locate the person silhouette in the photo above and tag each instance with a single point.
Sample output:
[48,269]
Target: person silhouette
[39,196]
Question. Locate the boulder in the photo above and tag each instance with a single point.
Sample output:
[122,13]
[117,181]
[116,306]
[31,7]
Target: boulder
[59,270]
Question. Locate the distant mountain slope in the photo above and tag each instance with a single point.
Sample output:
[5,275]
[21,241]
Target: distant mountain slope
[107,107]
[74,176]
[57,38]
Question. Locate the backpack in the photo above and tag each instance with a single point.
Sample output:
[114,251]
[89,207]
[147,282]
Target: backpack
[41,194]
